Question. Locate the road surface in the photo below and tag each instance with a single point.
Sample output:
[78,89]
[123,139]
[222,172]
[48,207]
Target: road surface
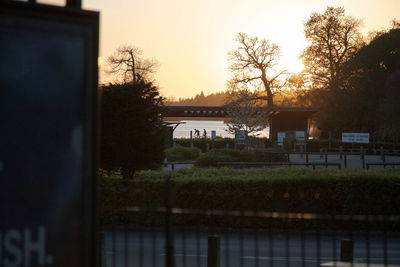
[247,248]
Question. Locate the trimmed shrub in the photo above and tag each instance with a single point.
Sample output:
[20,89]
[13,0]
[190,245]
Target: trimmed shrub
[295,190]
[201,143]
[211,159]
[180,153]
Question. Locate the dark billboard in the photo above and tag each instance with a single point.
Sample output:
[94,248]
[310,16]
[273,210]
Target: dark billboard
[48,81]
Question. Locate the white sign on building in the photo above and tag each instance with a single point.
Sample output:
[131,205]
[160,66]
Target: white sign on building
[213,134]
[362,138]
[281,136]
[300,136]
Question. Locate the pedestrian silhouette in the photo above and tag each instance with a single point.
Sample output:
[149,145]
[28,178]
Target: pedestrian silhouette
[204,133]
[196,132]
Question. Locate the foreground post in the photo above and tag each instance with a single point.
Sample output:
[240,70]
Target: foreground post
[346,250]
[169,257]
[101,259]
[213,251]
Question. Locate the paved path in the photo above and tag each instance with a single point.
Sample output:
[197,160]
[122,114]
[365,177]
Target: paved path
[353,161]
[246,249]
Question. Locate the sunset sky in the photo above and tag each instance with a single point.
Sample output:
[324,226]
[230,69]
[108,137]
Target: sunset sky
[191,39]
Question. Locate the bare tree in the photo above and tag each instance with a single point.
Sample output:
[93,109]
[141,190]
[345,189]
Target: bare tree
[245,112]
[253,64]
[334,38]
[128,64]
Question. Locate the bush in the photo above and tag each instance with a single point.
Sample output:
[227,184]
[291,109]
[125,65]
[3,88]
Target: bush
[296,190]
[180,153]
[201,143]
[288,144]
[212,158]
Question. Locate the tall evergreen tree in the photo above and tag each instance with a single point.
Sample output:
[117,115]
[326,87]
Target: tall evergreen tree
[132,132]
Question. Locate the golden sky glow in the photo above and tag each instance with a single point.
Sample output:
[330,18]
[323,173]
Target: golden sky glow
[191,38]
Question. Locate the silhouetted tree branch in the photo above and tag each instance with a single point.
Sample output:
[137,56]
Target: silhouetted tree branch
[128,64]
[254,61]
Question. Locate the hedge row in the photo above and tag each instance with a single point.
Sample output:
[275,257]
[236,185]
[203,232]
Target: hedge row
[180,153]
[201,143]
[297,190]
[220,143]
[211,158]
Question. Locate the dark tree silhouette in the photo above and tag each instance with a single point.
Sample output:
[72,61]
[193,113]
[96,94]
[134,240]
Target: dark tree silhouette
[132,131]
[253,62]
[128,64]
[334,38]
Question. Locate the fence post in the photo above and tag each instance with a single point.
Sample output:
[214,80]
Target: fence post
[208,147]
[213,251]
[169,245]
[307,158]
[101,259]
[382,153]
[384,157]
[326,158]
[362,155]
[341,151]
[345,161]
[191,138]
[346,250]
[321,151]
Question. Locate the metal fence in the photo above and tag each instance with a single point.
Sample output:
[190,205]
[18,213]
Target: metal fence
[190,237]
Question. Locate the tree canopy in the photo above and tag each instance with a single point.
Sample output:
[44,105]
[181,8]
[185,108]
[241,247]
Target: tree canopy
[368,99]
[334,38]
[245,112]
[132,132]
[254,61]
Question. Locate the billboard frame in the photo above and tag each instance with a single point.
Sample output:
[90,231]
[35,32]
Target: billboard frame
[88,20]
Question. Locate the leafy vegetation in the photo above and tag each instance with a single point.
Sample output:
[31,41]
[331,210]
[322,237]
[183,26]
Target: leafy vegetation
[279,190]
[211,159]
[180,153]
[132,131]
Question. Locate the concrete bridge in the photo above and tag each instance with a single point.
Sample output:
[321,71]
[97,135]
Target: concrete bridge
[281,118]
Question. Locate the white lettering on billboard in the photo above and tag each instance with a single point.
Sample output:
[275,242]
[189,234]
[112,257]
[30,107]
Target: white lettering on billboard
[18,246]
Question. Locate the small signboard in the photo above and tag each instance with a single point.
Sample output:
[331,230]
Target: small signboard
[355,138]
[48,84]
[300,136]
[240,137]
[281,136]
[213,134]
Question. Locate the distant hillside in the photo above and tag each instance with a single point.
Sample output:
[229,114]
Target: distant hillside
[290,98]
[215,99]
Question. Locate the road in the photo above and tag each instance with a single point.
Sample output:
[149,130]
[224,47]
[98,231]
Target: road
[247,248]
